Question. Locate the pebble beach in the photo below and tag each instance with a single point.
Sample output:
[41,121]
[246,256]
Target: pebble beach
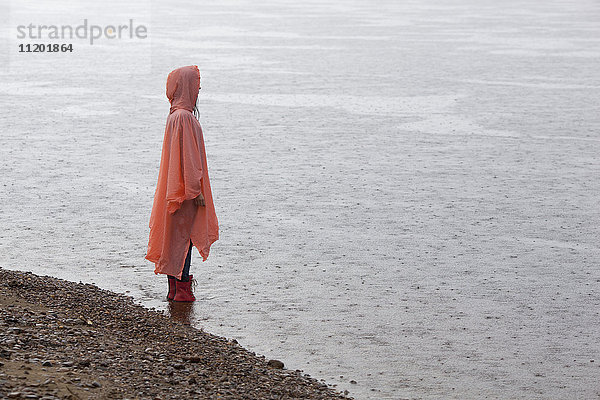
[66,340]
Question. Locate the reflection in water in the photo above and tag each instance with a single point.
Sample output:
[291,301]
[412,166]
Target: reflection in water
[181,312]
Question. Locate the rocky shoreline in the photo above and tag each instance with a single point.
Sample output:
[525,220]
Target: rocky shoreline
[65,340]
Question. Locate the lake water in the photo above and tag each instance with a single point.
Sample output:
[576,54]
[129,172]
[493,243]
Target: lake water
[407,191]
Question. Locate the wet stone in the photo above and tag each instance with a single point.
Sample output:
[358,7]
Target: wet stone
[275,364]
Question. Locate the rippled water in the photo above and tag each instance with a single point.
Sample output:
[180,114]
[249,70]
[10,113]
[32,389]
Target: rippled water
[407,191]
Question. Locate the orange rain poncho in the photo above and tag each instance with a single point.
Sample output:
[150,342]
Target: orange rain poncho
[183,175]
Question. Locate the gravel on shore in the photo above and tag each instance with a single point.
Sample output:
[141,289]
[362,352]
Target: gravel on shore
[66,340]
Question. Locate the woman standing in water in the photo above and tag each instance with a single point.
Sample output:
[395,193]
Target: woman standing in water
[183,214]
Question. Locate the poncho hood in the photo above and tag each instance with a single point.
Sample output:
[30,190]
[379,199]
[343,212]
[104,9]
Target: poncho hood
[182,87]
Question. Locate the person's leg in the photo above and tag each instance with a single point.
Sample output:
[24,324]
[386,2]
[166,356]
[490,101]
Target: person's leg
[184,291]
[185,275]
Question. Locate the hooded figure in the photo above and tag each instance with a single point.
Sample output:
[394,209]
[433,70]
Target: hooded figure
[183,176]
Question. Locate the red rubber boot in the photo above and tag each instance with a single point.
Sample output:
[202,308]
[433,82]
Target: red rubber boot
[183,291]
[171,293]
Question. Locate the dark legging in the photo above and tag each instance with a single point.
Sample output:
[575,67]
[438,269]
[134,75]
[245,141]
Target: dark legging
[185,275]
